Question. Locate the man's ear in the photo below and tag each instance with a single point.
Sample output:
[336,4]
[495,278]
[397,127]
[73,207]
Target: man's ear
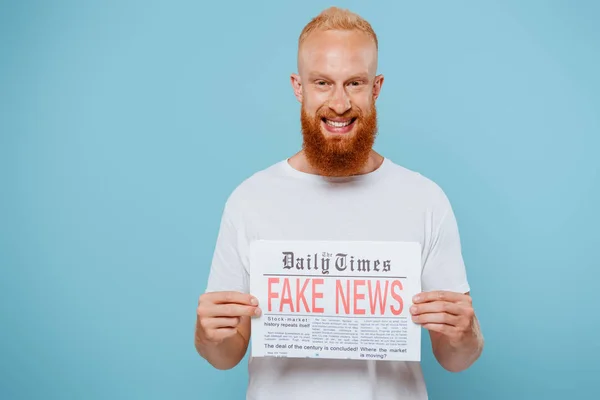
[377,86]
[297,86]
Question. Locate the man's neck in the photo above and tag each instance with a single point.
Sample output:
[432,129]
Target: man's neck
[299,162]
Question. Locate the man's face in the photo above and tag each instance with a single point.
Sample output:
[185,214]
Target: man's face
[337,87]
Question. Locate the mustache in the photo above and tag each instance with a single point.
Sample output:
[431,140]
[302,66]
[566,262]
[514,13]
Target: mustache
[330,114]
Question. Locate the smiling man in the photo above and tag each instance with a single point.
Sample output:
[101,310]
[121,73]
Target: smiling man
[338,188]
[337,88]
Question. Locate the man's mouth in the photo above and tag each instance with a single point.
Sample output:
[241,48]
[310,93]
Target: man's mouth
[338,125]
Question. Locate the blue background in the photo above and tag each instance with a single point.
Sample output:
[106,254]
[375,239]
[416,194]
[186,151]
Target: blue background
[125,125]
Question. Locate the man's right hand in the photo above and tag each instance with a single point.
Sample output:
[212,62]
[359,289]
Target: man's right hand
[220,314]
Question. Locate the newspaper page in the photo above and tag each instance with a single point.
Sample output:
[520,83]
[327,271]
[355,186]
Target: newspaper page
[335,299]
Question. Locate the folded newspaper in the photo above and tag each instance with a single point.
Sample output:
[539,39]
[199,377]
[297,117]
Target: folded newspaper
[335,299]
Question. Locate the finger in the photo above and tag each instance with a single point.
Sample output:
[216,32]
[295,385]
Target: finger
[217,335]
[220,322]
[436,318]
[437,307]
[232,310]
[231,297]
[441,328]
[439,295]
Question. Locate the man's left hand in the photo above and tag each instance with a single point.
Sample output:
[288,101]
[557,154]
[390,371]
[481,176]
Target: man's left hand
[448,313]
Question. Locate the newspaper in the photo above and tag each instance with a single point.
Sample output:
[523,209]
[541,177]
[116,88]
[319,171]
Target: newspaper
[335,299]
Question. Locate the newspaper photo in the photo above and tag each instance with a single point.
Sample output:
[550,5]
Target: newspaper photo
[335,299]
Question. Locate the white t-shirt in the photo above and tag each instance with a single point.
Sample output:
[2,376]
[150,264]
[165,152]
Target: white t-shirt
[391,203]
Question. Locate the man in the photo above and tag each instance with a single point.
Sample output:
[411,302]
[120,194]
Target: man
[338,188]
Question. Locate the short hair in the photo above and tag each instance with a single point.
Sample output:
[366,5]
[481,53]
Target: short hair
[334,18]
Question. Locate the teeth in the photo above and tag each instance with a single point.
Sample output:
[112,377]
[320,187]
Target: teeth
[338,124]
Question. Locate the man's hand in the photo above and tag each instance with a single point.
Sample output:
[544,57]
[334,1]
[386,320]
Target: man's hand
[449,313]
[220,315]
[451,321]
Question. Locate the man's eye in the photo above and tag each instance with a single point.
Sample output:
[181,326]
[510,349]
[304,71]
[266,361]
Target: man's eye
[355,83]
[321,83]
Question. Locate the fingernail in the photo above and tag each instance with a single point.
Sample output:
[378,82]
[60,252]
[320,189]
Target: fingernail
[416,298]
[413,309]
[257,312]
[253,301]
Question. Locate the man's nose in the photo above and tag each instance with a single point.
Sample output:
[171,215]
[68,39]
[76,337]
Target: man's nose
[340,102]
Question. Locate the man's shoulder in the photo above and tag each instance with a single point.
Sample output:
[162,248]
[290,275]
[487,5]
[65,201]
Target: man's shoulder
[257,183]
[412,181]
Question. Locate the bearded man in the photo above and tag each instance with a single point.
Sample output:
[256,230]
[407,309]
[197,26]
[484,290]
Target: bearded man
[338,188]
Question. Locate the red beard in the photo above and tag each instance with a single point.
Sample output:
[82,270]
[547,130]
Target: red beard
[344,155]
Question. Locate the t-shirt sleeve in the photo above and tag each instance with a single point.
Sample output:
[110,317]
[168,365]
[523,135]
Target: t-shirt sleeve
[444,267]
[228,271]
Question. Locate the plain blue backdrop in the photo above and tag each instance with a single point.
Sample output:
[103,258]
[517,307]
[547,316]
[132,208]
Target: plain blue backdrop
[124,126]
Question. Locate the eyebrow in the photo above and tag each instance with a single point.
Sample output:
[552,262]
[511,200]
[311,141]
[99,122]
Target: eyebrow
[364,77]
[317,75]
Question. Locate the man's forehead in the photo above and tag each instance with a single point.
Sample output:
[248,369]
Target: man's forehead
[338,51]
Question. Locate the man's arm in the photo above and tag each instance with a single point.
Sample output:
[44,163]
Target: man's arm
[456,337]
[222,329]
